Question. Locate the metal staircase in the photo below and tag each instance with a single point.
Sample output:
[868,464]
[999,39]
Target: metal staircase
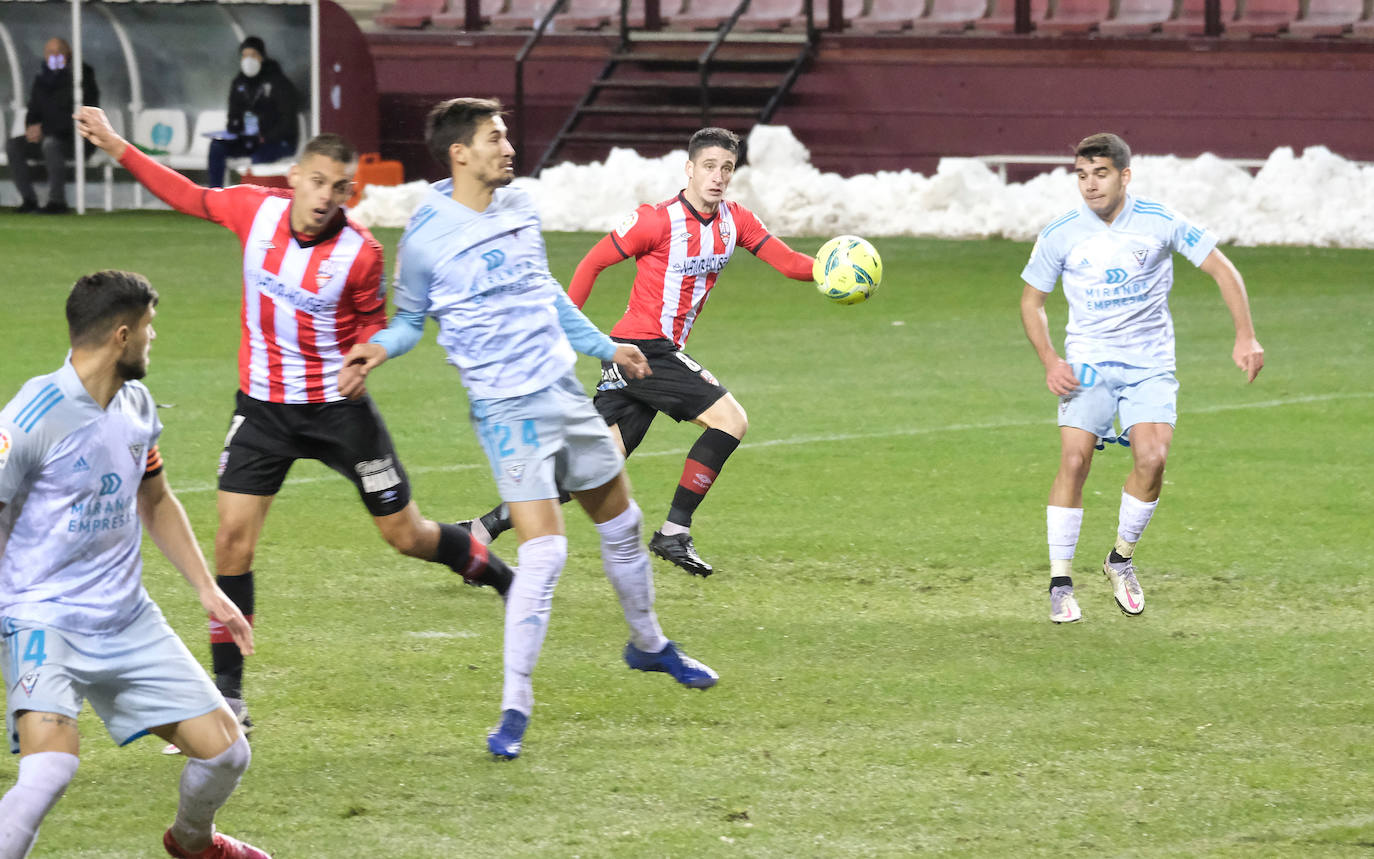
[658,87]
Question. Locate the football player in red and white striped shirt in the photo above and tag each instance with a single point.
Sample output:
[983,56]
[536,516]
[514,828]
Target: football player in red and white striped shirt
[312,287]
[679,247]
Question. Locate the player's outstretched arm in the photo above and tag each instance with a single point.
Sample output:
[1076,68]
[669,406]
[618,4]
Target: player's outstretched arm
[1059,377]
[1247,353]
[170,186]
[362,359]
[165,520]
[602,255]
[793,264]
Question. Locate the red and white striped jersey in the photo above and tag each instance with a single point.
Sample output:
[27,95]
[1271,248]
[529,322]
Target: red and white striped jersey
[306,300]
[679,254]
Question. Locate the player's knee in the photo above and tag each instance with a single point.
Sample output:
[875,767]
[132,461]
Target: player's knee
[1074,463]
[1150,459]
[622,529]
[233,547]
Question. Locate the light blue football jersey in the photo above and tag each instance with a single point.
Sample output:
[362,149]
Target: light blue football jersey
[485,277]
[1117,279]
[69,476]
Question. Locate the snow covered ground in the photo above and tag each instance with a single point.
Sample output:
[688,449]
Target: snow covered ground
[1316,198]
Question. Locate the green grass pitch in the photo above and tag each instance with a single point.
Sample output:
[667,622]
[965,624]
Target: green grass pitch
[890,684]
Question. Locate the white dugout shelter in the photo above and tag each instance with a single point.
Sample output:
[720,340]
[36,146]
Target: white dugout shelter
[163,66]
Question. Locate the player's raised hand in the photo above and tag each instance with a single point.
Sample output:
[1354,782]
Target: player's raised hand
[1249,356]
[360,360]
[631,361]
[1059,378]
[222,610]
[95,126]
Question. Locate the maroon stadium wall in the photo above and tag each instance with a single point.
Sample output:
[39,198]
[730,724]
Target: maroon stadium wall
[892,103]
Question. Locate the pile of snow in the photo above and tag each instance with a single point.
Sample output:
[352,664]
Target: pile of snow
[1317,199]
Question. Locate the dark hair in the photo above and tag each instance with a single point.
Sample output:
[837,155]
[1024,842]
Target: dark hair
[330,145]
[100,302]
[255,43]
[708,137]
[1104,145]
[455,121]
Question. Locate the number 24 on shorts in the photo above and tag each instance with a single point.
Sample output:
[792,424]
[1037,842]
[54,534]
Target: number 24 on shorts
[500,437]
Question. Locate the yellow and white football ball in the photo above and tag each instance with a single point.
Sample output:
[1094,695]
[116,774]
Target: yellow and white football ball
[847,270]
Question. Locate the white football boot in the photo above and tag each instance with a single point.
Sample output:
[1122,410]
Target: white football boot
[1125,586]
[1063,607]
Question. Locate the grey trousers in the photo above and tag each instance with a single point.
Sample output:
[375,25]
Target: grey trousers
[52,153]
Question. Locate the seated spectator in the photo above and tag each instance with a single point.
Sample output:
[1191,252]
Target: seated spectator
[48,132]
[262,113]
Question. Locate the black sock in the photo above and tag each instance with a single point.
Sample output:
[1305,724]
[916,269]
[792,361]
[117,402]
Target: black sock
[704,462]
[1056,581]
[470,559]
[225,657]
[1114,558]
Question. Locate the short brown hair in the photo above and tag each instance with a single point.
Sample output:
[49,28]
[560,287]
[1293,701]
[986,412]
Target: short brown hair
[331,146]
[455,121]
[708,137]
[1104,145]
[100,302]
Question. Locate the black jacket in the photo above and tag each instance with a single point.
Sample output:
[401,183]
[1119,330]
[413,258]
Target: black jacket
[50,100]
[272,97]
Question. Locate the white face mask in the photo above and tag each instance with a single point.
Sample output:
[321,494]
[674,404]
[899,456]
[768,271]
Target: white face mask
[250,66]
[57,62]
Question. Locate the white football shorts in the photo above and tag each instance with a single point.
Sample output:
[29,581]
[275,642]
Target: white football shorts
[136,679]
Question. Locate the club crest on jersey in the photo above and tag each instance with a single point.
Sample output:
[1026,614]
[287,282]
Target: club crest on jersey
[627,224]
[5,445]
[324,273]
[28,681]
[1140,257]
[136,451]
[725,231]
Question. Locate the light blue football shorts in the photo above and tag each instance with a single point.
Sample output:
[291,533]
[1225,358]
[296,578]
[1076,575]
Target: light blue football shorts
[1109,390]
[136,679]
[545,440]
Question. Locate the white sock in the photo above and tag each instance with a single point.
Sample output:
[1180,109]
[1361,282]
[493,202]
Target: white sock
[205,786]
[671,528]
[631,574]
[528,606]
[1135,515]
[1062,527]
[43,777]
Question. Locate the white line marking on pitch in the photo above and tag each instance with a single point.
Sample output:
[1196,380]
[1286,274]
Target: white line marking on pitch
[830,439]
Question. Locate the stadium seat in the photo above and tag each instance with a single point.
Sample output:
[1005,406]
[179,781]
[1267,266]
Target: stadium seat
[521,15]
[197,154]
[1191,19]
[1137,18]
[409,14]
[1001,17]
[889,16]
[1075,16]
[1263,18]
[705,14]
[160,130]
[595,14]
[771,15]
[850,10]
[455,15]
[1328,18]
[950,16]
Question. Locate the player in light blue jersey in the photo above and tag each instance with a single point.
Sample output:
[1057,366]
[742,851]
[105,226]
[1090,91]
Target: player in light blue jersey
[1114,254]
[79,470]
[473,258]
